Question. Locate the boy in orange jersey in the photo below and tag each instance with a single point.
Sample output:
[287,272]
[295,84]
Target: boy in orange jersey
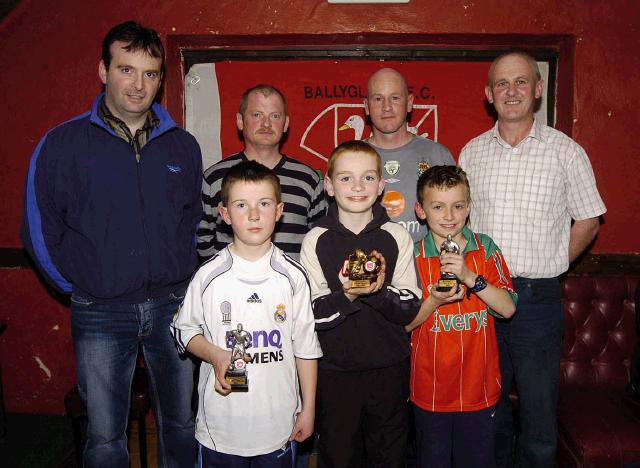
[455,376]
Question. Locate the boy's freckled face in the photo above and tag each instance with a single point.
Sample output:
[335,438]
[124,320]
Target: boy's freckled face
[252,211]
[355,183]
[445,211]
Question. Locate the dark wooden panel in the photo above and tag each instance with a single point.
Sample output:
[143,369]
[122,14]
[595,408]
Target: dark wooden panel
[592,264]
[607,264]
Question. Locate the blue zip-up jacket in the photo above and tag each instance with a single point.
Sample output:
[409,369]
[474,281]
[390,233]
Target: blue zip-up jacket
[98,223]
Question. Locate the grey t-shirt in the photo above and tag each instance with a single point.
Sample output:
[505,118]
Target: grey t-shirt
[401,168]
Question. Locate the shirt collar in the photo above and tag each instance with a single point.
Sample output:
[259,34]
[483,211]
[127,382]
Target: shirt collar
[535,132]
[114,122]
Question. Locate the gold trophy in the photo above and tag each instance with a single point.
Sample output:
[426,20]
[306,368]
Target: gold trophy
[448,280]
[237,375]
[363,269]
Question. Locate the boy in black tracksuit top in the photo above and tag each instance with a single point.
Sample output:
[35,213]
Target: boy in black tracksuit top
[363,378]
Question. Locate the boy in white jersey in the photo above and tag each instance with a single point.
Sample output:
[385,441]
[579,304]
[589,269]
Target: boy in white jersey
[254,284]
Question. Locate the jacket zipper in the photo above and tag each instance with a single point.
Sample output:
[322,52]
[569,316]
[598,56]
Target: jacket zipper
[136,148]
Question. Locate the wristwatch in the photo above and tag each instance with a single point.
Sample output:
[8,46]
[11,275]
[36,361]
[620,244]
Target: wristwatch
[480,284]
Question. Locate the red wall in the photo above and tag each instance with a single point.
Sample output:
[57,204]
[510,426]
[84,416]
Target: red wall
[49,58]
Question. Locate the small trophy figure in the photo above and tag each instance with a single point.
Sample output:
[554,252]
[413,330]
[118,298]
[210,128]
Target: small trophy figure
[363,269]
[236,373]
[448,280]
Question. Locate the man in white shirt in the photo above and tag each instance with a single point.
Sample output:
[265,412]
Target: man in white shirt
[528,182]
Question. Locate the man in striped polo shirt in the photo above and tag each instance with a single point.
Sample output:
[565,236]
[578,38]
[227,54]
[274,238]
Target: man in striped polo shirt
[263,121]
[529,181]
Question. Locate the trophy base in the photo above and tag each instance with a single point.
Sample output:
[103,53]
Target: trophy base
[445,285]
[362,283]
[238,380]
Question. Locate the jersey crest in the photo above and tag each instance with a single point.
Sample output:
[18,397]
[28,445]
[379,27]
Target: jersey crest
[280,314]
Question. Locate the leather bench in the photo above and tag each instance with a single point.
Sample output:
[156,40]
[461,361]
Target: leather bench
[598,422]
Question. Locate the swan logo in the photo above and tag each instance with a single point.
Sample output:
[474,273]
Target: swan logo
[340,122]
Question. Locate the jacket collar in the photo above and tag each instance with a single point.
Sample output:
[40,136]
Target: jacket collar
[166,122]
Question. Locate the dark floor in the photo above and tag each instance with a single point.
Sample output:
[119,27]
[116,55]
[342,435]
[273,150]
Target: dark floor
[37,441]
[46,441]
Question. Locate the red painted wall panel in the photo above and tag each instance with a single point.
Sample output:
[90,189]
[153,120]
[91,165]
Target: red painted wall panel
[49,58]
[38,366]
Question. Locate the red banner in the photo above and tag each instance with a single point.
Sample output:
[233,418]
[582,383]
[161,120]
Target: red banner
[325,101]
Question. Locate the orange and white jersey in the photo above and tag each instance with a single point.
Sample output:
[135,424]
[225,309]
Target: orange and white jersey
[454,354]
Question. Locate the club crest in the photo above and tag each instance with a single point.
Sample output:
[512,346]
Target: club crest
[422,166]
[392,167]
[280,314]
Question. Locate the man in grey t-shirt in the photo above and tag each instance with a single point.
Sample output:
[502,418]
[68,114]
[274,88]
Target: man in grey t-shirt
[404,155]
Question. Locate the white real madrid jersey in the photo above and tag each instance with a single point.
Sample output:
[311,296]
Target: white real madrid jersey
[271,299]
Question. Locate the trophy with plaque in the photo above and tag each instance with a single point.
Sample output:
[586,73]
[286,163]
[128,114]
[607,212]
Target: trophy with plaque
[448,280]
[363,269]
[236,374]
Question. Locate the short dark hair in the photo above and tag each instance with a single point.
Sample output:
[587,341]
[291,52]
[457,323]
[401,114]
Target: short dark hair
[352,146]
[249,171]
[266,90]
[442,177]
[137,38]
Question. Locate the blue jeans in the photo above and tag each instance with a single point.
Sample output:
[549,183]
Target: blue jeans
[530,346]
[106,339]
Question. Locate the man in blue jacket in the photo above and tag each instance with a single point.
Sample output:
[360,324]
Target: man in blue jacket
[112,203]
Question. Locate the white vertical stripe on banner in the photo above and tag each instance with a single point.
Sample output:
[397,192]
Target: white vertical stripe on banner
[202,110]
[541,114]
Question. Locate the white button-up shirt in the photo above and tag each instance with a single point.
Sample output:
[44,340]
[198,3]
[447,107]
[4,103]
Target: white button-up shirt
[524,197]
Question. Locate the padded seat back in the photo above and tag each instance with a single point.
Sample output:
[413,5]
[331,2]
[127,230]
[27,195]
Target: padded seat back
[599,336]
